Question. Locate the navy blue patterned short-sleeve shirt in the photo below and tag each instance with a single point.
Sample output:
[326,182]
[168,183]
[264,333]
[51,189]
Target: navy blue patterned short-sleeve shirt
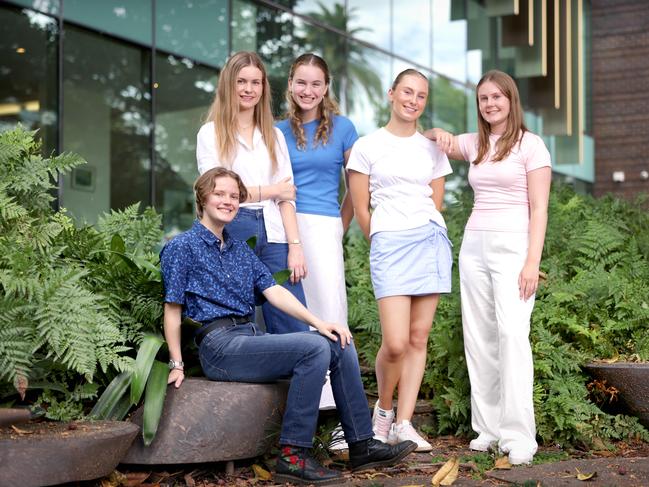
[211,282]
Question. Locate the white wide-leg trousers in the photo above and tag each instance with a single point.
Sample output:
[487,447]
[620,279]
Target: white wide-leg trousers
[324,286]
[496,325]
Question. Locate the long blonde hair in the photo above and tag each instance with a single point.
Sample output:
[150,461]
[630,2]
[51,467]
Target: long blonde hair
[515,128]
[225,108]
[327,108]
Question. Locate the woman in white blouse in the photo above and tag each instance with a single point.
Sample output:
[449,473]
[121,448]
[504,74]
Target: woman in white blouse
[240,136]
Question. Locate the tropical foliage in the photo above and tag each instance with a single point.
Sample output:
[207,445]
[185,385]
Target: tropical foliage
[593,305]
[75,301]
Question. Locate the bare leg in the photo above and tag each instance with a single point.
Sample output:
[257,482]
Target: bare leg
[422,312]
[394,312]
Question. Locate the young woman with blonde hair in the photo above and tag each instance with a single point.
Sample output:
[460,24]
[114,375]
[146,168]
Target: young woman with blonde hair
[240,136]
[400,174]
[510,174]
[319,141]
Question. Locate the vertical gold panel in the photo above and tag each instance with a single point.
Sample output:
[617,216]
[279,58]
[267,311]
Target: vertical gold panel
[532,60]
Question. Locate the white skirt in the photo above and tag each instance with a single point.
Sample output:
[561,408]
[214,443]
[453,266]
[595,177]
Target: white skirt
[324,286]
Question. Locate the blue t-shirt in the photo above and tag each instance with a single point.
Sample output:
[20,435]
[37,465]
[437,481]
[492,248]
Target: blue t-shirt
[211,282]
[317,170]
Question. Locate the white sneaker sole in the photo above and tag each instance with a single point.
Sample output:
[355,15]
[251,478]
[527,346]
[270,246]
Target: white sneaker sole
[476,445]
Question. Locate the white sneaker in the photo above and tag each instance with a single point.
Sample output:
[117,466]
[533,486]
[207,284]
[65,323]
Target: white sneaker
[404,431]
[338,443]
[381,423]
[482,443]
[520,457]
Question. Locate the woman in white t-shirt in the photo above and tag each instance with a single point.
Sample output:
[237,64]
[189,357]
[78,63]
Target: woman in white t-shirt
[400,174]
[510,175]
[240,136]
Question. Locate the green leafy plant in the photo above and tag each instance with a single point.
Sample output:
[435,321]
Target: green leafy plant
[593,305]
[74,300]
[149,376]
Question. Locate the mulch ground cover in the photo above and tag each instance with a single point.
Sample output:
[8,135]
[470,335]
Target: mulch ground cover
[625,465]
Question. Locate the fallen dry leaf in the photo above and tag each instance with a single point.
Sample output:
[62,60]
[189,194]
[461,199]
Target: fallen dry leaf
[612,360]
[261,473]
[21,383]
[502,463]
[136,479]
[189,480]
[21,431]
[447,474]
[585,476]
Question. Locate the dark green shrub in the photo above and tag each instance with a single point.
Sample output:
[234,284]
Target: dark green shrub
[594,305]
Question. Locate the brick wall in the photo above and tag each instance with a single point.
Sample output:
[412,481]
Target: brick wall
[620,94]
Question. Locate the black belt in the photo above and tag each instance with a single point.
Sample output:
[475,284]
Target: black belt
[220,323]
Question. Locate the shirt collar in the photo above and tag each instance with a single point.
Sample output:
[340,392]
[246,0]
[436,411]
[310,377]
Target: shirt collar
[209,238]
[256,137]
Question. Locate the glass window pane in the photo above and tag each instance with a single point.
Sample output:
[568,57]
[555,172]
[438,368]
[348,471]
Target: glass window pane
[449,105]
[449,42]
[106,119]
[194,28]
[365,78]
[413,39]
[183,97]
[310,7]
[368,20]
[28,73]
[129,20]
[46,6]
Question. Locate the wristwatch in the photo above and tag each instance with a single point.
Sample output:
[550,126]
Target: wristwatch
[176,364]
[295,241]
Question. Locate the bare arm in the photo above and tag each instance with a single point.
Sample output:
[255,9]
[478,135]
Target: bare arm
[172,319]
[283,190]
[285,301]
[346,208]
[296,261]
[446,141]
[437,185]
[359,188]
[538,191]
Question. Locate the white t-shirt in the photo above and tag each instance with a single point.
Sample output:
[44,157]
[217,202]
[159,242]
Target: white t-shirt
[400,171]
[254,167]
[501,202]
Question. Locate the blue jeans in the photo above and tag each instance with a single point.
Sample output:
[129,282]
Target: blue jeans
[250,223]
[244,353]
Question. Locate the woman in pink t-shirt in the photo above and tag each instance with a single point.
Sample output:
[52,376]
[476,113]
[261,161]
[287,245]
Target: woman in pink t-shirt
[510,174]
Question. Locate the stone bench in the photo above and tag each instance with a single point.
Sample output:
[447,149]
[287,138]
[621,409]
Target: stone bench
[208,421]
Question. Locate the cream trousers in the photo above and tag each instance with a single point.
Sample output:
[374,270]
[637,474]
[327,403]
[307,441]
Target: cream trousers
[496,326]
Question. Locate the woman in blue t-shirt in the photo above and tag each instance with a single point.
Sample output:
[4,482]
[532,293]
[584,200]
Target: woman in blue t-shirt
[319,142]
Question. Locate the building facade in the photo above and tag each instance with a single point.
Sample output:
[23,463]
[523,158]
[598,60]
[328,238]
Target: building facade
[127,83]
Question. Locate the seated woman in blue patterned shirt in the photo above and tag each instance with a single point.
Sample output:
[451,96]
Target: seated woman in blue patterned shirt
[212,279]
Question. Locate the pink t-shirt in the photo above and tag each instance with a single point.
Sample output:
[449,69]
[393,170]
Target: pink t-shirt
[501,201]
